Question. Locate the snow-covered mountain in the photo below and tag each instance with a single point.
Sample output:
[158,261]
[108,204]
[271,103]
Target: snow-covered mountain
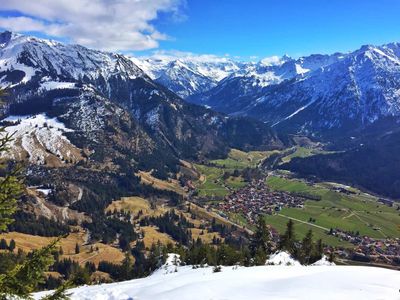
[188,75]
[264,282]
[252,77]
[100,96]
[315,93]
[32,56]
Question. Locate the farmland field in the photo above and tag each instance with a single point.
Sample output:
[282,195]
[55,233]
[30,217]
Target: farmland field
[239,159]
[212,184]
[351,212]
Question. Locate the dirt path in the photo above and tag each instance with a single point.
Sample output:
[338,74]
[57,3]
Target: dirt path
[349,216]
[366,223]
[304,222]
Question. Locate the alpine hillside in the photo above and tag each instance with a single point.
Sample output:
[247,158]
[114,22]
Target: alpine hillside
[109,105]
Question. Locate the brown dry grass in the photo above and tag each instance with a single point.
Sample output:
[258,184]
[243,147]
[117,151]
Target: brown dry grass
[28,242]
[130,204]
[171,184]
[136,204]
[206,237]
[152,236]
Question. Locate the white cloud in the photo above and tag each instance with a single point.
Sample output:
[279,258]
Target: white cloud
[170,55]
[272,61]
[112,25]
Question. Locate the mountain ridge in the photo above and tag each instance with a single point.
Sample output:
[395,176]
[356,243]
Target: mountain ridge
[322,92]
[71,82]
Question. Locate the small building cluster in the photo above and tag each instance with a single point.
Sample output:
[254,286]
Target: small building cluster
[256,198]
[367,249]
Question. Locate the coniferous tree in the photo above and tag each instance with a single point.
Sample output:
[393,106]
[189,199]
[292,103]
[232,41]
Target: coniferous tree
[3,244]
[127,267]
[288,239]
[23,278]
[10,187]
[306,248]
[60,293]
[77,249]
[259,243]
[318,251]
[331,256]
[11,247]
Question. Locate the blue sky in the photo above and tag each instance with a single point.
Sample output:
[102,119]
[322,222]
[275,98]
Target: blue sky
[239,28]
[294,27]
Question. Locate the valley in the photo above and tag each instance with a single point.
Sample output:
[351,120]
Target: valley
[342,216]
[126,159]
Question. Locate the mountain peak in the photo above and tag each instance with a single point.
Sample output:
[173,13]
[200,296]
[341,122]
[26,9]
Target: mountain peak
[5,37]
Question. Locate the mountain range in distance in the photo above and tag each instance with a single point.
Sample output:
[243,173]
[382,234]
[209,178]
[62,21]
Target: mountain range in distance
[148,113]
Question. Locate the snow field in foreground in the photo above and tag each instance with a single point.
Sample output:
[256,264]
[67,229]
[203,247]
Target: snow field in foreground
[255,283]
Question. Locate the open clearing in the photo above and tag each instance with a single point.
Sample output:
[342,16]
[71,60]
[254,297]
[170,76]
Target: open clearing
[171,184]
[100,252]
[239,159]
[211,183]
[153,236]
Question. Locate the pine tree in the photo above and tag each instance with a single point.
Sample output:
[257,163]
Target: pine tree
[261,236]
[11,247]
[318,252]
[331,256]
[306,248]
[259,243]
[259,257]
[3,244]
[25,277]
[127,267]
[10,187]
[77,249]
[288,239]
[10,183]
[60,293]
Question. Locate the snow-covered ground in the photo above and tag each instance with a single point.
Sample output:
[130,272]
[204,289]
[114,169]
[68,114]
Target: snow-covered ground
[37,136]
[241,283]
[282,259]
[54,85]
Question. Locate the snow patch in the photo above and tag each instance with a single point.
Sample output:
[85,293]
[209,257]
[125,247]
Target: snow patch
[324,261]
[37,135]
[282,259]
[56,85]
[45,192]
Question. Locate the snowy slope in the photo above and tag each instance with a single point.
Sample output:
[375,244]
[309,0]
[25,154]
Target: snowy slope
[315,93]
[265,282]
[40,139]
[33,55]
[245,87]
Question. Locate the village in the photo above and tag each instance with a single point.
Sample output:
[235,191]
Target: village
[369,250]
[257,198]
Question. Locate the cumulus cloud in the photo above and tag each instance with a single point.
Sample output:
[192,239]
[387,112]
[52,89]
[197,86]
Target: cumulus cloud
[113,25]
